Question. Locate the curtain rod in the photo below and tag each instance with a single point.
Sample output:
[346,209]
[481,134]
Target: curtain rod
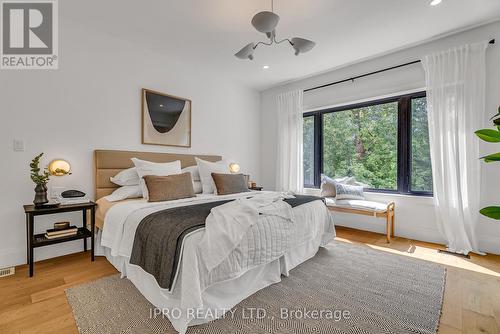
[369,74]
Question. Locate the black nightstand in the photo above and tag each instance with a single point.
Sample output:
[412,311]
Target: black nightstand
[256,188]
[39,240]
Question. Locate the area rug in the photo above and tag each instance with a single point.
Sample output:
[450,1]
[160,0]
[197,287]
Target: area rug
[345,288]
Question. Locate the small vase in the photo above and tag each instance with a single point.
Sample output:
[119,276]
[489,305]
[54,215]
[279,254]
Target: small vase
[40,195]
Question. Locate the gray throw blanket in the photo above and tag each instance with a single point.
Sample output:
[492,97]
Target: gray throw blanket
[159,236]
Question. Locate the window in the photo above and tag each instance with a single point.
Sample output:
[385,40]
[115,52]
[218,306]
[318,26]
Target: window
[383,144]
[359,142]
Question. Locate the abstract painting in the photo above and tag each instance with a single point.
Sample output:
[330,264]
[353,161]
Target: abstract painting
[166,119]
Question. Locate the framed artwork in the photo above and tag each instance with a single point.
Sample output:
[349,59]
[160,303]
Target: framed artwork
[166,119]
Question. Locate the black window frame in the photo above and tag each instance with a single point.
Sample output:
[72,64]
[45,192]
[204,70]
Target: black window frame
[404,153]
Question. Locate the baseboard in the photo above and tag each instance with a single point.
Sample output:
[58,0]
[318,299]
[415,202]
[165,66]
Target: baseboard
[489,244]
[12,258]
[16,257]
[420,234]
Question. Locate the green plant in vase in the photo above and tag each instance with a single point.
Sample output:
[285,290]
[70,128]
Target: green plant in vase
[40,180]
[491,136]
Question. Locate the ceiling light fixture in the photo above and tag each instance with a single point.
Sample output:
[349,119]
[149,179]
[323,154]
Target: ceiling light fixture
[435,2]
[265,67]
[266,22]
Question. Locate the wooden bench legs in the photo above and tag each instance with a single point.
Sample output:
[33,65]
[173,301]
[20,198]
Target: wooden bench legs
[388,214]
[390,221]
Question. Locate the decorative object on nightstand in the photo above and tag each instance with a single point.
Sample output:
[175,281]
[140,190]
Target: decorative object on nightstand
[72,197]
[59,168]
[55,168]
[58,233]
[40,181]
[51,237]
[234,168]
[61,225]
[253,186]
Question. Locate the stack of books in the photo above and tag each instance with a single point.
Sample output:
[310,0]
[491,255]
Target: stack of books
[59,233]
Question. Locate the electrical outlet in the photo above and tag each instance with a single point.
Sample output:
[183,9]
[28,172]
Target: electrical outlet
[19,145]
[55,192]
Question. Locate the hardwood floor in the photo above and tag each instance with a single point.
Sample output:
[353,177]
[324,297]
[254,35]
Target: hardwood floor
[472,292]
[38,304]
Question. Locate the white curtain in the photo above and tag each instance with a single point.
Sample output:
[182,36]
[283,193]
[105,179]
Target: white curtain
[456,101]
[289,165]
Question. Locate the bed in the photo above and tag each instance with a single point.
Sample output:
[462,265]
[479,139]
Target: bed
[199,291]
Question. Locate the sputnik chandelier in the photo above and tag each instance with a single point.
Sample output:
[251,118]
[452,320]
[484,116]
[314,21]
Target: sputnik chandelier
[266,22]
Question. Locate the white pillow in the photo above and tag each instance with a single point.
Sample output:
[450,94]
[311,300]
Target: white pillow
[198,188]
[154,168]
[347,191]
[125,192]
[206,168]
[195,175]
[195,172]
[127,177]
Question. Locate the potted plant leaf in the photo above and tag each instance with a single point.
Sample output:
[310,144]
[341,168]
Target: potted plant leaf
[491,136]
[40,180]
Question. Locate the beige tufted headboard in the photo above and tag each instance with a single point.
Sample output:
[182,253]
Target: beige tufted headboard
[108,163]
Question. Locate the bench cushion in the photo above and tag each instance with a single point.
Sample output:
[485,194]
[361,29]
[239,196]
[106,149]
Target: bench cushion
[357,204]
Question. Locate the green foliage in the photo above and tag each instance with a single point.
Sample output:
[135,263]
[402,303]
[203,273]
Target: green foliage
[61,172]
[38,179]
[491,136]
[308,145]
[491,212]
[492,157]
[363,143]
[421,168]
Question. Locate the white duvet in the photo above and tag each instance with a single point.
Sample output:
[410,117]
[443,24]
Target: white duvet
[227,224]
[237,251]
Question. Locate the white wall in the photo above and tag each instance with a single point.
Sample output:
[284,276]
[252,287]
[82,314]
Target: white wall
[93,102]
[415,216]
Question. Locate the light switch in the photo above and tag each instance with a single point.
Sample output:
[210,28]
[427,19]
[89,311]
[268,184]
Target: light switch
[19,145]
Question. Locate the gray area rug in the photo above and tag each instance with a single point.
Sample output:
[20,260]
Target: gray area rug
[343,289]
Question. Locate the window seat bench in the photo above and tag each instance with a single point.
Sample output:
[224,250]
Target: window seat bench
[366,208]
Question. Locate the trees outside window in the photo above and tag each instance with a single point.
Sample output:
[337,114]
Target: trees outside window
[383,143]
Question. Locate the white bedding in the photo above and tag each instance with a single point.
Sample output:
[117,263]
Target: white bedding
[227,224]
[267,249]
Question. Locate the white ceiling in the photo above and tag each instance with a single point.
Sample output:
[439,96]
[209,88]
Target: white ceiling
[209,32]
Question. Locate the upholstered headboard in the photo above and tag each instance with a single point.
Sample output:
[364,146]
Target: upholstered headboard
[108,163]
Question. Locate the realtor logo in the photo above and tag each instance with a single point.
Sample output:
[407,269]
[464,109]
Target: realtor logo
[29,34]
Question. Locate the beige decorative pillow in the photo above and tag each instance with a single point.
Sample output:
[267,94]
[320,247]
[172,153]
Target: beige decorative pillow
[230,183]
[169,188]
